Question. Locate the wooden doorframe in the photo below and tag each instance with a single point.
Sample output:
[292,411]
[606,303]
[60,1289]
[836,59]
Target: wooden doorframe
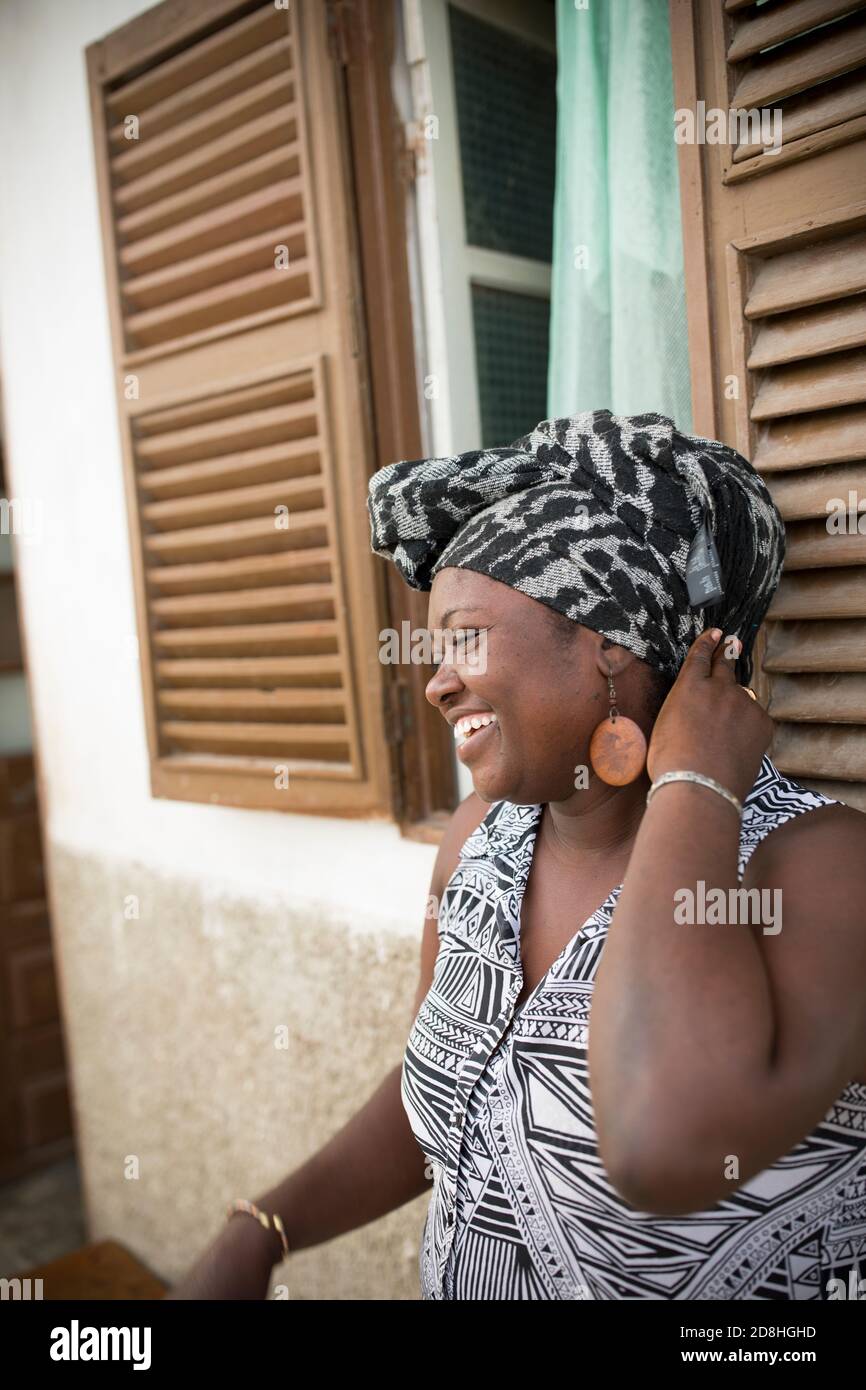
[684,19]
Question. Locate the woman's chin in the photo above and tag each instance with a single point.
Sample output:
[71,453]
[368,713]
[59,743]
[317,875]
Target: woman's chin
[493,784]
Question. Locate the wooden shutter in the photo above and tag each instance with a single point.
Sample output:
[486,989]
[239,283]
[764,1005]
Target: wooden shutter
[237,331]
[775,248]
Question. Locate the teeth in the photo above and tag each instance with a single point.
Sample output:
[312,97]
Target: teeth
[464,728]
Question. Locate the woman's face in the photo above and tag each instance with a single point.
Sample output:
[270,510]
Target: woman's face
[546,690]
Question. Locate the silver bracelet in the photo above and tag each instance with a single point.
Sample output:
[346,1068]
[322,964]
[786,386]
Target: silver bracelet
[701,780]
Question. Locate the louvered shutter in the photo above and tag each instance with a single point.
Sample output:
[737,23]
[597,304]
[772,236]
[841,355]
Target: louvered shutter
[233,290]
[775,249]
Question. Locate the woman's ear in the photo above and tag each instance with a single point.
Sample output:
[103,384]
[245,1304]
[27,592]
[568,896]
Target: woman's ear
[610,658]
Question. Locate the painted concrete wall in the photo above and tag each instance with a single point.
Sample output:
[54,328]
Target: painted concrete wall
[246,921]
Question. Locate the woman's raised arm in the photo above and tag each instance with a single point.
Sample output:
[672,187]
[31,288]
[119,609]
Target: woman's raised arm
[716,1045]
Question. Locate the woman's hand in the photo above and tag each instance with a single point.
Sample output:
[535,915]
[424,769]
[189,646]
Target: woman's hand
[236,1265]
[708,723]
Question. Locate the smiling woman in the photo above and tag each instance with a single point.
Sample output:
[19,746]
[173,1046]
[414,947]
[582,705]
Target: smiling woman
[612,1102]
[582,1065]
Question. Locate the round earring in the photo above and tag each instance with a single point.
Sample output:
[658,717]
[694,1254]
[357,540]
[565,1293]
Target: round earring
[617,749]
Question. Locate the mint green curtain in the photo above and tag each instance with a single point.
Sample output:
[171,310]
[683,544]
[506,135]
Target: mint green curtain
[618,323]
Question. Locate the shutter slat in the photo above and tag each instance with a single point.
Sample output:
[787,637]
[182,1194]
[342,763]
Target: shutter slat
[263,465]
[261,395]
[835,645]
[309,706]
[803,495]
[254,639]
[808,275]
[300,566]
[239,672]
[774,24]
[247,605]
[809,545]
[237,503]
[811,333]
[807,440]
[836,699]
[803,63]
[834,595]
[215,764]
[238,538]
[209,437]
[277,739]
[806,386]
[815,751]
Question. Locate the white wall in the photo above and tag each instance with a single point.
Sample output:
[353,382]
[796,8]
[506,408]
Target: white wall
[75,582]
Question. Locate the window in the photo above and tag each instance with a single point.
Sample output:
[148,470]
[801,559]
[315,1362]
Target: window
[487,139]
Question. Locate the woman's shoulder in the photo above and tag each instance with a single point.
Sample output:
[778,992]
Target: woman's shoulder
[481,830]
[464,821]
[776,798]
[780,804]
[774,794]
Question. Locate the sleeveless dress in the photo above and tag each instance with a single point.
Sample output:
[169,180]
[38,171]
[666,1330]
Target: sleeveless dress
[521,1205]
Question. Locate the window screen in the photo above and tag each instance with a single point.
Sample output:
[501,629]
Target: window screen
[511,344]
[506,111]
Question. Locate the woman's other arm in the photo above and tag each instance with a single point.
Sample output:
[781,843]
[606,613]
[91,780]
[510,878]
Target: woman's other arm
[371,1166]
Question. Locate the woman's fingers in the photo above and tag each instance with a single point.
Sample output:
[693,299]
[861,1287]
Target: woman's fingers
[699,660]
[725,657]
[712,654]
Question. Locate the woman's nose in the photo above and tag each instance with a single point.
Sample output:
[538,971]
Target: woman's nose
[444,681]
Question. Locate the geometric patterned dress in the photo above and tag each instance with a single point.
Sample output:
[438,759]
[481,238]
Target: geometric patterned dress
[499,1102]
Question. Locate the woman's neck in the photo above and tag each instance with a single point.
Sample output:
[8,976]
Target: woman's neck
[596,821]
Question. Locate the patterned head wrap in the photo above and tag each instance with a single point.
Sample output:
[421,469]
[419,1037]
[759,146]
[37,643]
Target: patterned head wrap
[594,515]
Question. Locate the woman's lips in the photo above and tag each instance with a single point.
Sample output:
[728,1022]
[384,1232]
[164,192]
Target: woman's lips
[473,747]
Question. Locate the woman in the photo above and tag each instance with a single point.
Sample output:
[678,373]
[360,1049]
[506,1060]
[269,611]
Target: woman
[637,1065]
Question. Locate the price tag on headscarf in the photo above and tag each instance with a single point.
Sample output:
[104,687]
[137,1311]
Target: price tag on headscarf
[703,571]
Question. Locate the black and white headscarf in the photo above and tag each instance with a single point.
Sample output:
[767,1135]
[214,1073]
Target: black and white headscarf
[593,515]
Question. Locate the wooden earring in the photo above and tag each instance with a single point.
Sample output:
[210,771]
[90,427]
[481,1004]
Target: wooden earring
[617,749]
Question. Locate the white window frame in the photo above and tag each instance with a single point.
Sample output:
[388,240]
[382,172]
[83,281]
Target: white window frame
[450,266]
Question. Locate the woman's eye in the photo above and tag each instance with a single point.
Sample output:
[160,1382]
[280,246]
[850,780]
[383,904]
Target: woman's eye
[471,649]
[457,646]
[465,644]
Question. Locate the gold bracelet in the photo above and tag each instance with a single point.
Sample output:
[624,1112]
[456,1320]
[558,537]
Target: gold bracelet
[272,1222]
